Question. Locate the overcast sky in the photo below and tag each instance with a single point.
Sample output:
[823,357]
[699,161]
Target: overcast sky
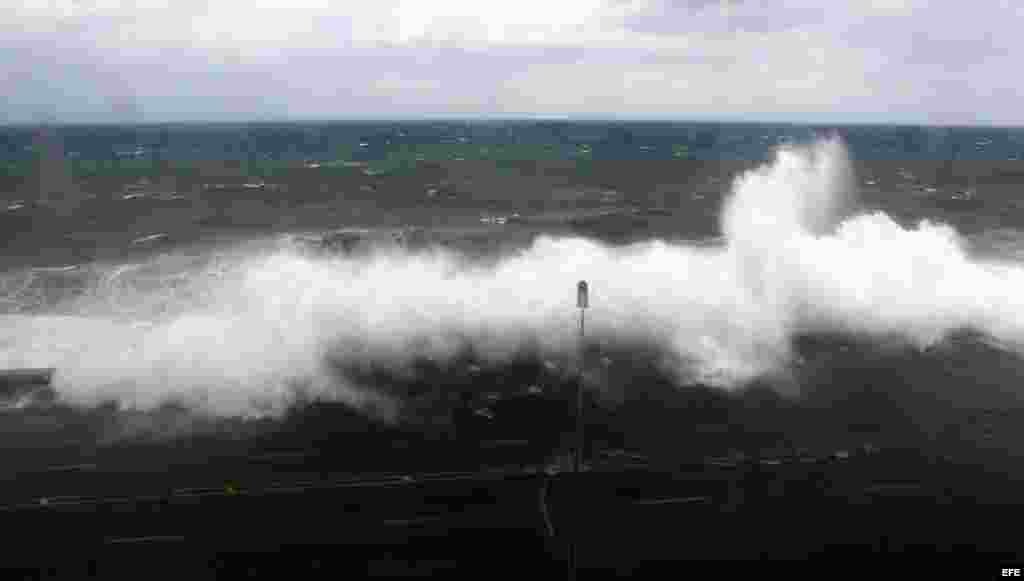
[916,61]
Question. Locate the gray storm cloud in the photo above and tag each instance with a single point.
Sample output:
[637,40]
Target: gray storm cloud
[881,61]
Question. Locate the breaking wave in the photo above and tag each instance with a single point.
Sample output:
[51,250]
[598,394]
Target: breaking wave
[243,332]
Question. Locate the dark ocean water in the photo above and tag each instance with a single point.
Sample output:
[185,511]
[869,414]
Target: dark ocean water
[606,141]
[135,181]
[116,232]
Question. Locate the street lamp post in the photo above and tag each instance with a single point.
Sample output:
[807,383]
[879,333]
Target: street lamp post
[582,302]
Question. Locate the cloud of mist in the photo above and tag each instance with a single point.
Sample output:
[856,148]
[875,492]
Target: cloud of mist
[245,334]
[827,269]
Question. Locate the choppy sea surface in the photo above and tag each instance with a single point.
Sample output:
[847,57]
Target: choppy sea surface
[726,256]
[562,139]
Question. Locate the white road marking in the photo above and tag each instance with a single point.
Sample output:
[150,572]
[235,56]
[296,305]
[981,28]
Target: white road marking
[148,539]
[682,500]
[412,521]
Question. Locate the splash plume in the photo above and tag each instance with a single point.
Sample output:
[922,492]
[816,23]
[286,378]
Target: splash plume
[246,336]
